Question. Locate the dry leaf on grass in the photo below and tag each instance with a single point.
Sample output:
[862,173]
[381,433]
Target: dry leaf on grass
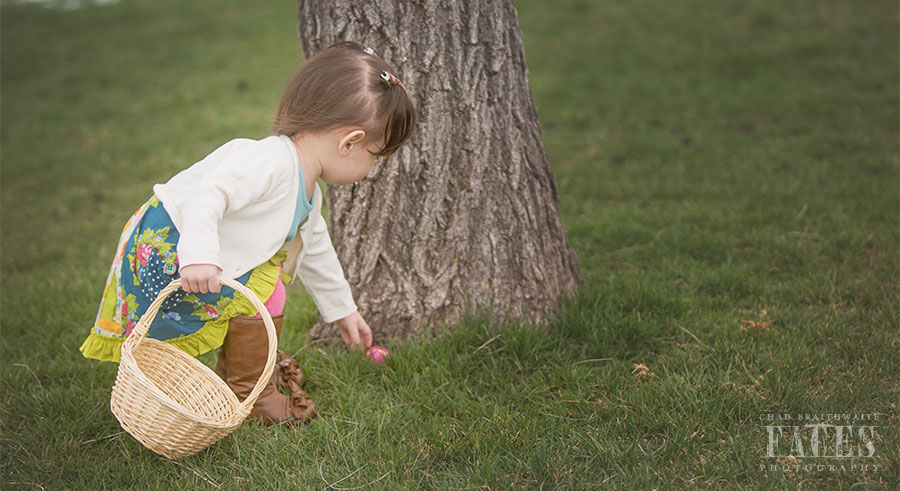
[756,326]
[640,371]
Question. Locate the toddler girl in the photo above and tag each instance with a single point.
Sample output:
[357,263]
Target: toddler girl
[251,210]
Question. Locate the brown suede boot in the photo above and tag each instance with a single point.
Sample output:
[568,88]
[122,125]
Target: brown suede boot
[286,370]
[241,361]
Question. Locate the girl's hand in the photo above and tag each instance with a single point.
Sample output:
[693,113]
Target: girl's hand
[355,331]
[202,278]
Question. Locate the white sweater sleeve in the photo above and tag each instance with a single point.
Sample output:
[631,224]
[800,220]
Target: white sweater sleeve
[322,275]
[241,178]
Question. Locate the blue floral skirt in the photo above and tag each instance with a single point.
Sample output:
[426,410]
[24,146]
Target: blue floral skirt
[146,261]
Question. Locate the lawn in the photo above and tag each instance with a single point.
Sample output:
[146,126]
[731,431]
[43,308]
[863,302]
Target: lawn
[729,175]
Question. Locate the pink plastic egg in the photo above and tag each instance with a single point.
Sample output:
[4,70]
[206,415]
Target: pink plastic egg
[377,354]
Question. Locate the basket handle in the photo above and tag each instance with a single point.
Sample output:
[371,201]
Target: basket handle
[143,325]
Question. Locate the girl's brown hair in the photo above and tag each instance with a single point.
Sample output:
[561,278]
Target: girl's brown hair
[344,85]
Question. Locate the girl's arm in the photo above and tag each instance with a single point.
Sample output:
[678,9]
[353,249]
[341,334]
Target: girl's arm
[322,274]
[245,175]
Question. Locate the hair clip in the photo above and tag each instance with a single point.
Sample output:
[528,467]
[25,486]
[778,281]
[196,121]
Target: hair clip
[369,51]
[391,79]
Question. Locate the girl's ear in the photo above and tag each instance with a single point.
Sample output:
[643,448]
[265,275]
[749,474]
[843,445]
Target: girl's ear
[350,139]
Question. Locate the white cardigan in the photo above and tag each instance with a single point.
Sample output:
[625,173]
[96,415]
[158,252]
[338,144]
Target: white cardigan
[234,208]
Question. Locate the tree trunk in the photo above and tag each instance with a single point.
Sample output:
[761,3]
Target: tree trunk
[468,211]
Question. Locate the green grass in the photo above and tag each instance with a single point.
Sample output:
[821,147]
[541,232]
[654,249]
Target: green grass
[718,162]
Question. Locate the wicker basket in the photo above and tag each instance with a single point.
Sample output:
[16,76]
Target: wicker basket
[171,402]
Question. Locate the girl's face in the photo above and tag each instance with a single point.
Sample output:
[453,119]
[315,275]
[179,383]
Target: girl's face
[351,160]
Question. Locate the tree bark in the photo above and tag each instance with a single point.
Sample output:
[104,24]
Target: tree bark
[468,212]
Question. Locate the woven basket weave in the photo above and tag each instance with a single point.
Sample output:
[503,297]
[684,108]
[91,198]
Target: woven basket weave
[171,402]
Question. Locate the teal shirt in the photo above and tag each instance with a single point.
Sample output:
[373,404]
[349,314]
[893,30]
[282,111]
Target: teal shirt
[304,206]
